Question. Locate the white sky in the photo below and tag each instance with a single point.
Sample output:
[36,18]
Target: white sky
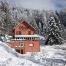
[40,4]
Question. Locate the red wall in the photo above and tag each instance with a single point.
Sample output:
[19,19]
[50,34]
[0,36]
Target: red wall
[26,48]
[34,48]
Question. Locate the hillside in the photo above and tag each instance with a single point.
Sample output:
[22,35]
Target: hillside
[9,57]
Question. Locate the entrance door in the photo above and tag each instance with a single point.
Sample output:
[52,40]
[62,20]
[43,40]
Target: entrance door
[20,51]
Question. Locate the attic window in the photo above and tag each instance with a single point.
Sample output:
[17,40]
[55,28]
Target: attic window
[31,45]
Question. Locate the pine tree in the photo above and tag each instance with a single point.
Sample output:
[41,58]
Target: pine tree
[54,36]
[6,17]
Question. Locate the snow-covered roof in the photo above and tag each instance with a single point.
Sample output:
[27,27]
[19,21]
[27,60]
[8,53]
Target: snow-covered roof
[35,35]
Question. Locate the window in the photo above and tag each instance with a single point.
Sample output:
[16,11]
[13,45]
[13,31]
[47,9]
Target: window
[21,44]
[31,45]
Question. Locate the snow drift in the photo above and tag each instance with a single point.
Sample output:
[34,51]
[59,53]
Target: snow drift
[9,57]
[49,55]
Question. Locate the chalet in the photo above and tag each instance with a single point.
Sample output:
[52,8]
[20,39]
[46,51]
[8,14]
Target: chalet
[25,38]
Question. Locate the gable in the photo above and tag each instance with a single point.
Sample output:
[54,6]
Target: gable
[28,25]
[24,28]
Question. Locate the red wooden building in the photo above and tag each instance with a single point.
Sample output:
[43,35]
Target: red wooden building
[25,39]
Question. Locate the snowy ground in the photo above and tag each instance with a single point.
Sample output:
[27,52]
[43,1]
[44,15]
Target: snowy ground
[8,57]
[49,56]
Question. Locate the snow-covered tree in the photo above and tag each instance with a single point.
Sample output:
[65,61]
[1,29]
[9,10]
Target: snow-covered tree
[54,36]
[5,15]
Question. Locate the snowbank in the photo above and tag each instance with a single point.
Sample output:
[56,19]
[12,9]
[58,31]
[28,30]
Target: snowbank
[9,57]
[51,55]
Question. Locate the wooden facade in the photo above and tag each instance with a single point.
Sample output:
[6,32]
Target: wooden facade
[23,40]
[23,28]
[25,46]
